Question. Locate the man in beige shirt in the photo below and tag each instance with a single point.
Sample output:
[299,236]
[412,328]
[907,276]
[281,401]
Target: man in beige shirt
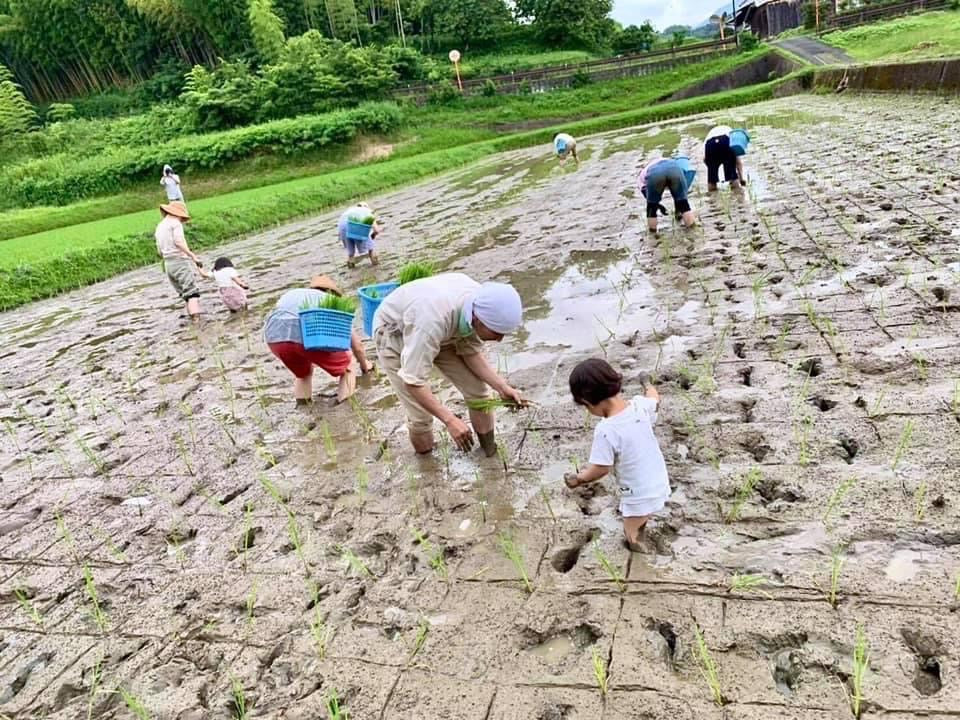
[442,322]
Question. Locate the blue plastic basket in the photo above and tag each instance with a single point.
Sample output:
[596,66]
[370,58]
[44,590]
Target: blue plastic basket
[358,232]
[323,329]
[739,140]
[689,172]
[369,303]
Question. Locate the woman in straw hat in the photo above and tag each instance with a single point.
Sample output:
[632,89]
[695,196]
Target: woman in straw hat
[282,333]
[179,262]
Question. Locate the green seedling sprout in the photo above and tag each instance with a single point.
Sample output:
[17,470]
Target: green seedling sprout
[509,548]
[363,481]
[182,451]
[321,633]
[252,602]
[836,565]
[545,496]
[748,584]
[187,412]
[420,640]
[334,711]
[445,451]
[904,445]
[296,539]
[744,492]
[489,404]
[837,497]
[239,699]
[861,662]
[91,455]
[435,555]
[134,704]
[803,439]
[246,539]
[99,617]
[265,455]
[353,562]
[28,607]
[600,673]
[415,271]
[96,675]
[875,410]
[502,454]
[708,668]
[329,444]
[920,501]
[605,563]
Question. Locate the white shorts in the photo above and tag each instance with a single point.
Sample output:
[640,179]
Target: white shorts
[639,507]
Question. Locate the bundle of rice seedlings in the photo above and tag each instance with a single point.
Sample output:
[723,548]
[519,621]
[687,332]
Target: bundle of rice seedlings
[332,302]
[491,403]
[415,271]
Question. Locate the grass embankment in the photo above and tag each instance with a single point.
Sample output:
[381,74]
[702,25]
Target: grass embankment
[914,37]
[47,263]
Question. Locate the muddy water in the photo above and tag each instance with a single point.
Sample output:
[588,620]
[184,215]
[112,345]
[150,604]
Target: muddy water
[804,340]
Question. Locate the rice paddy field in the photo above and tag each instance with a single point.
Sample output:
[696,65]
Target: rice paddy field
[179,541]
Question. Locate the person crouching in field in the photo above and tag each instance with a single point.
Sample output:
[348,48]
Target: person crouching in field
[232,287]
[180,263]
[717,152]
[656,177]
[357,229]
[285,340]
[623,441]
[565,146]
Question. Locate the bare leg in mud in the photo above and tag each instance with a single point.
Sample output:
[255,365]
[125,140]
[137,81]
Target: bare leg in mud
[633,532]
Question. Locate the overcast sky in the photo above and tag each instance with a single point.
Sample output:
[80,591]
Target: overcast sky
[663,13]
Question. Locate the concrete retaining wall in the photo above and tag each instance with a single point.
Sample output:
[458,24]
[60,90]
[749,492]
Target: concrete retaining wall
[941,76]
[770,66]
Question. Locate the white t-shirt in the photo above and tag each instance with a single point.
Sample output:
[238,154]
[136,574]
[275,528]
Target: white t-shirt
[171,183]
[224,277]
[719,131]
[626,442]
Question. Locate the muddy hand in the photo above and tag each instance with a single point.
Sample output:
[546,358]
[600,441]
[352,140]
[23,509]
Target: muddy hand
[462,435]
[572,480]
[514,396]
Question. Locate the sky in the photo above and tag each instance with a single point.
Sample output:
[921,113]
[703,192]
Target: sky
[663,13]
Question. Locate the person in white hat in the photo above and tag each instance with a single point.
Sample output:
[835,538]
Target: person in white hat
[180,263]
[442,322]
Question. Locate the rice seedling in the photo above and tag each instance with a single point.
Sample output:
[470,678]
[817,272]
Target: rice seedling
[876,409]
[96,675]
[329,444]
[904,445]
[64,532]
[445,450]
[246,538]
[134,704]
[600,673]
[92,456]
[415,271]
[955,399]
[757,285]
[747,485]
[369,429]
[502,454]
[329,301]
[435,555]
[615,575]
[545,496]
[920,362]
[803,439]
[97,613]
[252,601]
[708,668]
[836,565]
[482,509]
[334,711]
[489,404]
[239,699]
[576,463]
[920,501]
[861,662]
[514,554]
[184,455]
[363,481]
[748,584]
[28,607]
[413,489]
[837,497]
[274,492]
[320,632]
[420,640]
[296,539]
[353,562]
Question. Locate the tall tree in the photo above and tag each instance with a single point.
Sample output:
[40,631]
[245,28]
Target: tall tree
[16,114]
[569,22]
[266,28]
[470,21]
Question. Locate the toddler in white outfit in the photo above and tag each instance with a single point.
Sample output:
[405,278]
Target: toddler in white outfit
[623,441]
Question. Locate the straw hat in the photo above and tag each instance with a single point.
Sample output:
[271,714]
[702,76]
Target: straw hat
[177,209]
[324,282]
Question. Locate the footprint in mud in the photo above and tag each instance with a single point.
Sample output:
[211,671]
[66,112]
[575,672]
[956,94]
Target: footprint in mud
[566,558]
[787,670]
[811,367]
[823,404]
[850,447]
[665,640]
[927,679]
[555,712]
[755,444]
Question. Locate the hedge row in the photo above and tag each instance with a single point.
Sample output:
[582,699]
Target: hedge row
[221,218]
[113,170]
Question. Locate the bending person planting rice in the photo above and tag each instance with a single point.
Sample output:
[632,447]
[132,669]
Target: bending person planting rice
[442,322]
[661,175]
[357,229]
[283,336]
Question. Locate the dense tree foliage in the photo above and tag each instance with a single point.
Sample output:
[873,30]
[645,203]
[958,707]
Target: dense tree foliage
[566,22]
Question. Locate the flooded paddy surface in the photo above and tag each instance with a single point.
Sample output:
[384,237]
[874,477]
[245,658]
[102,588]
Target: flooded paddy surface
[172,526]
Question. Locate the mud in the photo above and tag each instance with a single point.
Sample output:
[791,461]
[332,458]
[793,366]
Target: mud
[804,340]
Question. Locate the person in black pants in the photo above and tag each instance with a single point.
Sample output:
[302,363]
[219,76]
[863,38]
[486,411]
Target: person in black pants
[716,153]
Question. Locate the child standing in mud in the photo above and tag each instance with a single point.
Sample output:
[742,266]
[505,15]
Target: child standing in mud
[623,441]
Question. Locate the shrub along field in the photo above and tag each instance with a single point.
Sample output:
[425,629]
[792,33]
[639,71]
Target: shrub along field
[50,262]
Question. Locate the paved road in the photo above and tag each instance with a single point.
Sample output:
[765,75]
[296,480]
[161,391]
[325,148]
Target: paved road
[814,51]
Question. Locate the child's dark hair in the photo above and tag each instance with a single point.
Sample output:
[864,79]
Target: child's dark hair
[594,381]
[222,262]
